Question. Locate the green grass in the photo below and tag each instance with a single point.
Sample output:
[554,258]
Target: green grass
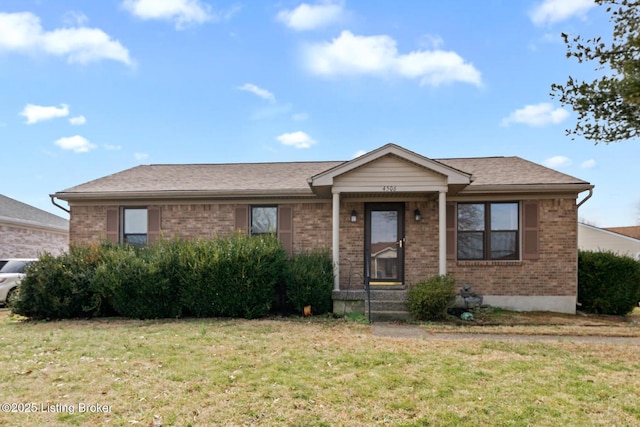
[306,373]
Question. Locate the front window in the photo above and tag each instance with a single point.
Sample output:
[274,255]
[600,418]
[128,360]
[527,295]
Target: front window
[264,220]
[488,231]
[135,226]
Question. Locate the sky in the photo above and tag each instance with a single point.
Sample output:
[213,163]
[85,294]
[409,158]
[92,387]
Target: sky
[90,88]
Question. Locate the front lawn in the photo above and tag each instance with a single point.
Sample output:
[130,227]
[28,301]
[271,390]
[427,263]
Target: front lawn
[317,372]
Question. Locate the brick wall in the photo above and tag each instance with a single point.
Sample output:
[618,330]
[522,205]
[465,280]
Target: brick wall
[553,274]
[311,223]
[87,224]
[23,242]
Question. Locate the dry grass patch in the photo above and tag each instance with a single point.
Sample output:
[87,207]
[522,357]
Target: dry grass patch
[305,373]
[496,321]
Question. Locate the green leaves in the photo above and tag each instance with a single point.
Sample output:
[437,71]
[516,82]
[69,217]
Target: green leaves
[429,299]
[608,107]
[608,283]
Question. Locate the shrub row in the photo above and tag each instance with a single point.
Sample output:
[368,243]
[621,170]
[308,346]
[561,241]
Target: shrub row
[225,277]
[608,283]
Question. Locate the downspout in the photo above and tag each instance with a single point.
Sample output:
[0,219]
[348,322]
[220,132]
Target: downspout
[53,200]
[586,198]
[578,303]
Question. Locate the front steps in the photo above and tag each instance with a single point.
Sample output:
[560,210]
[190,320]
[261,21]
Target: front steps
[387,304]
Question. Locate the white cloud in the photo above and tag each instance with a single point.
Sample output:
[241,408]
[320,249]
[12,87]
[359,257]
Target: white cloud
[378,55]
[552,11]
[77,144]
[588,164]
[298,117]
[140,156]
[181,12]
[311,17]
[557,162]
[431,41]
[22,33]
[256,90]
[296,139]
[536,115]
[78,120]
[38,113]
[111,147]
[74,18]
[359,153]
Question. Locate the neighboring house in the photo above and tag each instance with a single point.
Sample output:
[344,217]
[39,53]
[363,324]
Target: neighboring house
[631,231]
[592,238]
[26,231]
[503,225]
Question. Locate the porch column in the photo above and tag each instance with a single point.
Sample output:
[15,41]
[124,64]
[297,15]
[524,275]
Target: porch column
[442,231]
[336,241]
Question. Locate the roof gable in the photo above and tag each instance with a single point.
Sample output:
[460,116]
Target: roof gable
[372,164]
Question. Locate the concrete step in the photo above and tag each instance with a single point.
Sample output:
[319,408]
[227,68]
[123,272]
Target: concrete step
[384,305]
[389,316]
[388,295]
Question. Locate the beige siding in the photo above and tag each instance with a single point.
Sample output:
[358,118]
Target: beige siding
[390,173]
[595,239]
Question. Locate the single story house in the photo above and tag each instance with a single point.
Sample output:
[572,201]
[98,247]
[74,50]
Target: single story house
[391,217]
[26,231]
[596,239]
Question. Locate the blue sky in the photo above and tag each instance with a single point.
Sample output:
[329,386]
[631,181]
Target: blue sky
[92,88]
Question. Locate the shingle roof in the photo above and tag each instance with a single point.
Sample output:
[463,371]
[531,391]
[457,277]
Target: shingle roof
[631,231]
[509,171]
[291,178]
[17,212]
[230,177]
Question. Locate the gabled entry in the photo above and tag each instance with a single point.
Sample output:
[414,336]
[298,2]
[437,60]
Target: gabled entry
[384,243]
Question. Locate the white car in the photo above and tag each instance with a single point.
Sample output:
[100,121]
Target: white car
[12,270]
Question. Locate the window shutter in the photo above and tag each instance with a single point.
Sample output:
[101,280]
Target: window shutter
[113,225]
[242,218]
[153,224]
[451,230]
[530,232]
[285,227]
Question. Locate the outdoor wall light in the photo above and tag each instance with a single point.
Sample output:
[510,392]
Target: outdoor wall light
[354,216]
[417,215]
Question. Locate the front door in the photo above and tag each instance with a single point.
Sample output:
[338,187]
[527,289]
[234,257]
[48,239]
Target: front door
[384,243]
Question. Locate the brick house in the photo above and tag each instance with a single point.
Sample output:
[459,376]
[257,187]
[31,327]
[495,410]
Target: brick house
[504,225]
[26,231]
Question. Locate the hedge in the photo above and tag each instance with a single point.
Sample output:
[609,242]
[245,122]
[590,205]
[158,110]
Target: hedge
[235,276]
[309,281]
[608,283]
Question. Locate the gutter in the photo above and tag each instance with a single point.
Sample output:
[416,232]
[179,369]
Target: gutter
[53,200]
[587,197]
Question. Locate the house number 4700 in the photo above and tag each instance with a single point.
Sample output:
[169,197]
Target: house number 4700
[391,188]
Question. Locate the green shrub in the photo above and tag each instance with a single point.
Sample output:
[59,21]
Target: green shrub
[608,283]
[139,282]
[429,300]
[310,281]
[231,277]
[62,287]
